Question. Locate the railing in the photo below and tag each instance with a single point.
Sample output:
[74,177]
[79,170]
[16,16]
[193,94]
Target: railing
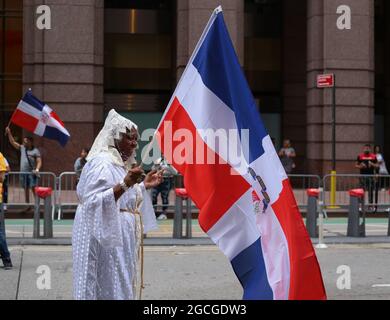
[17,196]
[376,186]
[376,193]
[65,197]
[66,192]
[300,183]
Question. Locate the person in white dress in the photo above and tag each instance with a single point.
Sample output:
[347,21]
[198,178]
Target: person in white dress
[382,170]
[115,211]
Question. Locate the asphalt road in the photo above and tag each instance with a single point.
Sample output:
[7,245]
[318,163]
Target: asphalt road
[195,273]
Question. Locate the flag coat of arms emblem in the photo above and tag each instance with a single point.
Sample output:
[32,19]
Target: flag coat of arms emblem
[269,248]
[37,117]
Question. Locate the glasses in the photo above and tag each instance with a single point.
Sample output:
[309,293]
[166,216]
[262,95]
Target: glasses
[266,200]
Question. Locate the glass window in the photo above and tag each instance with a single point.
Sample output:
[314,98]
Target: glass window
[11,63]
[139,72]
[2,35]
[380,27]
[13,5]
[13,50]
[263,52]
[381,104]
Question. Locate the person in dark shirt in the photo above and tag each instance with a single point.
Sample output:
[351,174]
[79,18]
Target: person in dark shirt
[368,165]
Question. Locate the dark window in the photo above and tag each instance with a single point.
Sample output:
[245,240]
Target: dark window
[381,67]
[263,60]
[263,52]
[11,52]
[380,27]
[139,54]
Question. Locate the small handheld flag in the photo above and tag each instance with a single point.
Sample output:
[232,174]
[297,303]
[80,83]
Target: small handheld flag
[37,117]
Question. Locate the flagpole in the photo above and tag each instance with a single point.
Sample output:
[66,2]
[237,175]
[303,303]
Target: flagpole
[195,52]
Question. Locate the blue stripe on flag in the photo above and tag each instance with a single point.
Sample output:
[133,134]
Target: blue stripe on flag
[33,101]
[250,269]
[55,134]
[221,72]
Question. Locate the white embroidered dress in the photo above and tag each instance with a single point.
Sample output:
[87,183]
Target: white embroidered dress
[105,239]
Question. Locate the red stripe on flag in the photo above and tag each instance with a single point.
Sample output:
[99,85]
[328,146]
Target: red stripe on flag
[24,120]
[212,187]
[55,116]
[305,275]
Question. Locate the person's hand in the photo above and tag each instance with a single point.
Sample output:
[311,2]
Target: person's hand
[153,179]
[133,176]
[7,131]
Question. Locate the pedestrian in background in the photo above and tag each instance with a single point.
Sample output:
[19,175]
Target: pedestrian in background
[5,184]
[287,155]
[165,187]
[382,171]
[30,164]
[4,252]
[368,165]
[80,162]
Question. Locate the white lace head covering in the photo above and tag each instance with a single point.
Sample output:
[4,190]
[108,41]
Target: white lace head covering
[114,125]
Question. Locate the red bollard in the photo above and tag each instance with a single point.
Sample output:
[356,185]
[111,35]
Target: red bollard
[45,194]
[355,228]
[312,212]
[181,194]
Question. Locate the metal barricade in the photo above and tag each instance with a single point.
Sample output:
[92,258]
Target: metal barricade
[66,192]
[16,191]
[376,191]
[301,183]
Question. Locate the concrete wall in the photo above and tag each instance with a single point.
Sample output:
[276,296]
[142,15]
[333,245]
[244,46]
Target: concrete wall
[192,16]
[350,55]
[64,68]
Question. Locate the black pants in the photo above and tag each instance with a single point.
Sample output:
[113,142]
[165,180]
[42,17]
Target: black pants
[4,253]
[164,189]
[370,185]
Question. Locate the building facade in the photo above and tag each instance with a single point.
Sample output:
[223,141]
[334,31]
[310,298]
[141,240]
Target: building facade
[129,55]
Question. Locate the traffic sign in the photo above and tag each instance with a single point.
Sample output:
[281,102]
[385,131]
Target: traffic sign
[325,81]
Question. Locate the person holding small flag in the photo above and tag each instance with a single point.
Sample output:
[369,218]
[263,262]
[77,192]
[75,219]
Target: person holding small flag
[30,163]
[36,117]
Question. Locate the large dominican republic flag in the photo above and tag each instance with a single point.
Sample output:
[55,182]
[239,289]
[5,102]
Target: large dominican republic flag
[269,249]
[37,117]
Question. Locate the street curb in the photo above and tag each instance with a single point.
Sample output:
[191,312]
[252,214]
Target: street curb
[192,242]
[147,242]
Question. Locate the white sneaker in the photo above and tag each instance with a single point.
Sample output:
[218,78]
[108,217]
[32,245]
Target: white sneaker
[162,217]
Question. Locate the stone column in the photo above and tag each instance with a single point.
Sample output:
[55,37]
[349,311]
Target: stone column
[350,55]
[192,17]
[294,78]
[64,68]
